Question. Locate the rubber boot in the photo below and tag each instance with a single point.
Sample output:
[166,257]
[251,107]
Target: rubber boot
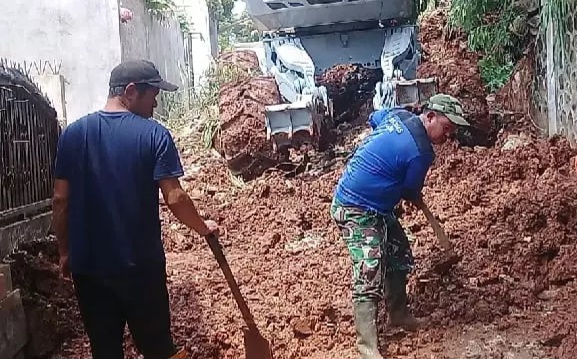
[396,298]
[366,327]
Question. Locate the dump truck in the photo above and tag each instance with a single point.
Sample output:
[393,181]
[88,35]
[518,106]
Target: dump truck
[304,38]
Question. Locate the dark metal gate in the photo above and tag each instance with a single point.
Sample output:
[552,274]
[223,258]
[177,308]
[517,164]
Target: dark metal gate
[29,133]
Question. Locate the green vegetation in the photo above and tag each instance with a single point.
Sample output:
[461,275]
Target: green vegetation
[231,29]
[498,29]
[488,25]
[203,105]
[163,8]
[237,29]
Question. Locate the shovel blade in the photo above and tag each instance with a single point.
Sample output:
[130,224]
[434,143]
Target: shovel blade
[444,264]
[256,346]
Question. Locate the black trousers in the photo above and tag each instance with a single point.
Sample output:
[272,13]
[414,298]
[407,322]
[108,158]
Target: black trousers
[139,299]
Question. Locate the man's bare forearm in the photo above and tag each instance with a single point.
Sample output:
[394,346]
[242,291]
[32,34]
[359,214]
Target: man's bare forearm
[184,209]
[60,224]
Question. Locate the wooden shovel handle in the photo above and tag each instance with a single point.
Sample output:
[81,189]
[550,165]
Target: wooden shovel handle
[439,231]
[216,249]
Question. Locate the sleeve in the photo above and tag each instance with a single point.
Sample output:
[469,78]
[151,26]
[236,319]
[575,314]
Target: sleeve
[415,177]
[62,163]
[167,161]
[377,117]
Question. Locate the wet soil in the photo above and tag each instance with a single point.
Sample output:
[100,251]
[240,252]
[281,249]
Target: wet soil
[510,210]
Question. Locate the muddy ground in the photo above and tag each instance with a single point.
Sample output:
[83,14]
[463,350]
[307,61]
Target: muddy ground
[510,209]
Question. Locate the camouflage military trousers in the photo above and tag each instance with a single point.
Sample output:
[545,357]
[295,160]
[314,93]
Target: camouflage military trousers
[377,244]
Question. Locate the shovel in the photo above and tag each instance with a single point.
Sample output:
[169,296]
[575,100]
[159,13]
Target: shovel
[255,345]
[451,258]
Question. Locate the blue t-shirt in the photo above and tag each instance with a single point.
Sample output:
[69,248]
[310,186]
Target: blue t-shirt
[390,164]
[113,162]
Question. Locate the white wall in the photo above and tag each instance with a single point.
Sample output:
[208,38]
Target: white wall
[202,41]
[82,35]
[154,39]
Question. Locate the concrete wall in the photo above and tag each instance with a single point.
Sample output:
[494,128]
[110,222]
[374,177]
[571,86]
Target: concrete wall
[83,36]
[154,39]
[203,40]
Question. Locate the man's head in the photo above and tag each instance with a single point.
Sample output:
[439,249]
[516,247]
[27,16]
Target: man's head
[135,84]
[441,116]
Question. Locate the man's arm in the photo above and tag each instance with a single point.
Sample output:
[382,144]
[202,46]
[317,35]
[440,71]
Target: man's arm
[60,215]
[182,206]
[415,179]
[166,171]
[63,167]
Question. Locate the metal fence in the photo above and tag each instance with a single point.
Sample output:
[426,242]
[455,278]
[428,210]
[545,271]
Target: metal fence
[29,133]
[555,92]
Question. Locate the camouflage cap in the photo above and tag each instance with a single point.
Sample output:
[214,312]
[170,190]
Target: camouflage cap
[448,106]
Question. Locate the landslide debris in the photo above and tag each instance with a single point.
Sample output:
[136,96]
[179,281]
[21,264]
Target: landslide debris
[511,210]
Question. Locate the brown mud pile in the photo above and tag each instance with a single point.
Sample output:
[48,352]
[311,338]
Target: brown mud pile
[510,214]
[511,211]
[244,59]
[242,138]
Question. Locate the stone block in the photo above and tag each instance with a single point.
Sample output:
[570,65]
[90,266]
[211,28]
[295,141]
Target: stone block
[3,287]
[13,334]
[5,273]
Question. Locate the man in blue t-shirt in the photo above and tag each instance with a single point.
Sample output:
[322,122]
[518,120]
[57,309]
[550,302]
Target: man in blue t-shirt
[390,164]
[109,167]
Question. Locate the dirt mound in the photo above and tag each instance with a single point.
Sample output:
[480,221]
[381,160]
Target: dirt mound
[49,302]
[245,59]
[510,214]
[242,138]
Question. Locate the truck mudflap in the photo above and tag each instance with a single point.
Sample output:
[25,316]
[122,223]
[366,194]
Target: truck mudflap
[296,124]
[397,93]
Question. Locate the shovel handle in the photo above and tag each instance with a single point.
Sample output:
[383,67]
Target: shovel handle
[439,231]
[216,249]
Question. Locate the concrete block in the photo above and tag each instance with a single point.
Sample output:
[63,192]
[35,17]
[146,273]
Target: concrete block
[5,271]
[24,231]
[13,335]
[3,287]
[53,86]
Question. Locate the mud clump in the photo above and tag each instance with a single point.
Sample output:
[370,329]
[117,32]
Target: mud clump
[350,87]
[244,59]
[242,138]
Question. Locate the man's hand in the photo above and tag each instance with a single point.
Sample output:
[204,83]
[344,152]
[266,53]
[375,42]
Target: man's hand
[183,208]
[212,227]
[60,223]
[64,269]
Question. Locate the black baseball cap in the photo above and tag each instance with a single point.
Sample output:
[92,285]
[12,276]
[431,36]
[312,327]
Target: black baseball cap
[139,72]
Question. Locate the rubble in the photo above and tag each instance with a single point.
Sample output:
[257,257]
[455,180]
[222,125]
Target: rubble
[510,210]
